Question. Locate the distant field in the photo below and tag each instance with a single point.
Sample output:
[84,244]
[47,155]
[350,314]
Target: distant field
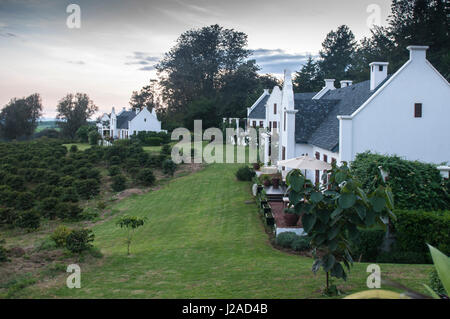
[81,146]
[46,125]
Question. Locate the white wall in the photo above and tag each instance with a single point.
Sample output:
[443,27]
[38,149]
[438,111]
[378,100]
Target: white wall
[145,121]
[387,124]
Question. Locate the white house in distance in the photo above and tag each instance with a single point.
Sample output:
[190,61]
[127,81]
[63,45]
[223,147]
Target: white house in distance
[405,114]
[127,123]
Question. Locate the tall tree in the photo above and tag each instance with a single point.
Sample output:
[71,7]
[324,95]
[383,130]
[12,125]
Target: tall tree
[193,68]
[74,111]
[19,117]
[308,78]
[336,56]
[146,97]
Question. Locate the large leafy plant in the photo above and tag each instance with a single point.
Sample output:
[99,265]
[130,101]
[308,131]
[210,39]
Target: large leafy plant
[333,212]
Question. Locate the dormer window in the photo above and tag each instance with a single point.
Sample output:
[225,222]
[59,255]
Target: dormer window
[418,110]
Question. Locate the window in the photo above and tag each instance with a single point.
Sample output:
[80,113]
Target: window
[283,155]
[261,123]
[418,110]
[284,121]
[318,155]
[333,160]
[275,108]
[270,126]
[275,125]
[254,123]
[145,120]
[325,158]
[317,176]
[380,68]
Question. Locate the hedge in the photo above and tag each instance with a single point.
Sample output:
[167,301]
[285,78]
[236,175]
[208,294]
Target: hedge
[415,185]
[415,229]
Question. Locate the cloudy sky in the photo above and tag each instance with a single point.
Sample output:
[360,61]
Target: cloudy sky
[118,43]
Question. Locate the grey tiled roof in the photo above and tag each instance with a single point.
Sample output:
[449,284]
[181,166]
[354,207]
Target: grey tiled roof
[324,128]
[259,112]
[304,96]
[123,118]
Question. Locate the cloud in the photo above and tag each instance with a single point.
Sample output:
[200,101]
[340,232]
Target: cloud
[276,60]
[143,58]
[77,62]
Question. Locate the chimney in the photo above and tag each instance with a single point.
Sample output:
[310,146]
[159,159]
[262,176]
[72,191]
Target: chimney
[123,109]
[329,84]
[378,73]
[417,52]
[345,83]
[113,111]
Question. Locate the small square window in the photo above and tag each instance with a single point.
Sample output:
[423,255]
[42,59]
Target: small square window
[418,110]
[380,68]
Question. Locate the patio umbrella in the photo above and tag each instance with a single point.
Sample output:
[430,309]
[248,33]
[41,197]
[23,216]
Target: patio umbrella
[306,163]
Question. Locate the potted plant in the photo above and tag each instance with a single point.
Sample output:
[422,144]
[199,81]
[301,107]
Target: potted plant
[266,180]
[256,166]
[290,217]
[276,180]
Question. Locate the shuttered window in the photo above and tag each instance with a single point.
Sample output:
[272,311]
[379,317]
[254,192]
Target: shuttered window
[275,108]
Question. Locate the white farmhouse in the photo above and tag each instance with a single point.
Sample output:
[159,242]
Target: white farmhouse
[127,123]
[405,114]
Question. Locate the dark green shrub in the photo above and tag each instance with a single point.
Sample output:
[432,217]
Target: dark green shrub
[401,257]
[87,188]
[94,137]
[285,239]
[415,229]
[79,240]
[146,177]
[301,243]
[29,219]
[101,205]
[70,195]
[118,183]
[69,211]
[245,173]
[169,167]
[48,207]
[8,216]
[154,161]
[153,141]
[66,181]
[73,148]
[415,185]
[24,201]
[166,150]
[114,170]
[367,246]
[115,160]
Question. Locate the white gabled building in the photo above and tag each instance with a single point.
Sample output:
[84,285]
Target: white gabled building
[127,123]
[405,114]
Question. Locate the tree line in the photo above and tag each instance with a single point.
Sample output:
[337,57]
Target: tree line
[411,22]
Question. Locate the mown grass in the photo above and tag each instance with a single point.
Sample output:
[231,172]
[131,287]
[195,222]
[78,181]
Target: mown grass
[203,239]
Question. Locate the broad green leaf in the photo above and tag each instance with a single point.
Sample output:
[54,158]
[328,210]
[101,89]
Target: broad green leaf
[320,239]
[316,265]
[363,195]
[337,271]
[378,203]
[389,197]
[361,210]
[294,198]
[442,265]
[324,216]
[316,197]
[332,245]
[347,200]
[336,212]
[297,182]
[333,232]
[340,177]
[432,292]
[328,262]
[370,218]
[308,221]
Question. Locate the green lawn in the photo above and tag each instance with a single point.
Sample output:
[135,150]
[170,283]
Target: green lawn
[81,146]
[203,240]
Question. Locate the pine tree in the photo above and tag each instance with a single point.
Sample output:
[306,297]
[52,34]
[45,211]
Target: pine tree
[307,79]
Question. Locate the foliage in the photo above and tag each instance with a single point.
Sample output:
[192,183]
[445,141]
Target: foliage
[308,78]
[130,223]
[147,97]
[415,229]
[118,183]
[169,167]
[366,247]
[60,234]
[29,219]
[415,185]
[146,177]
[73,148]
[301,243]
[245,173]
[79,240]
[83,132]
[94,137]
[286,239]
[20,116]
[435,283]
[74,111]
[332,213]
